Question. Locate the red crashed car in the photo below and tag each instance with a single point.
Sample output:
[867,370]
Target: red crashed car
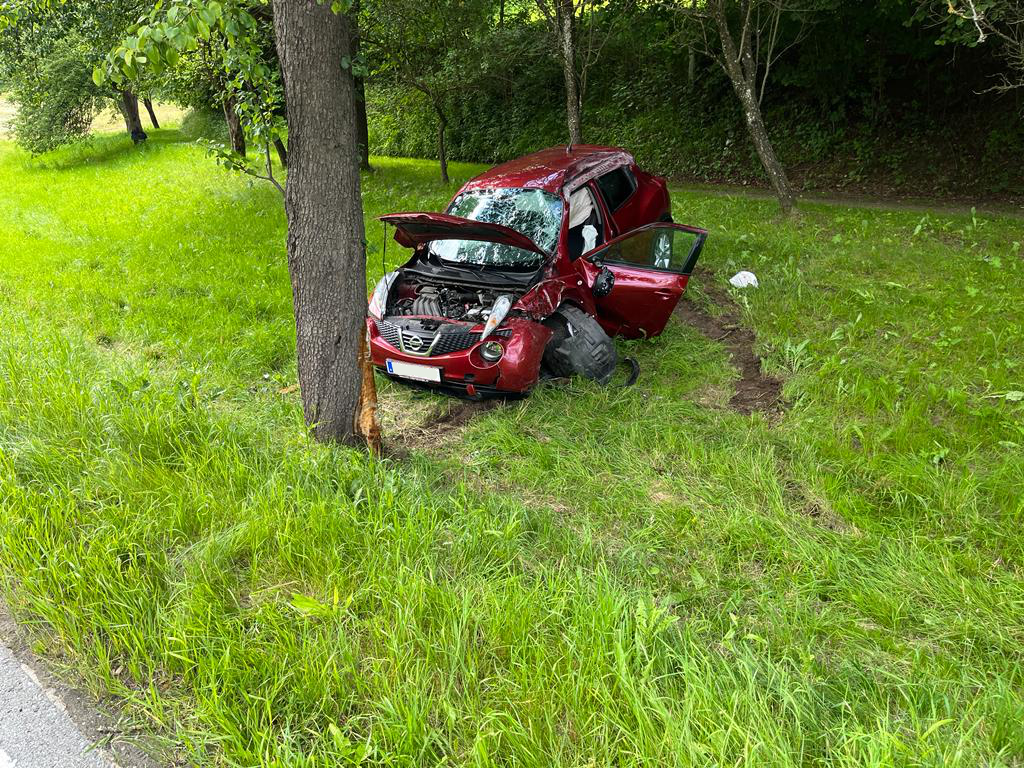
[531,270]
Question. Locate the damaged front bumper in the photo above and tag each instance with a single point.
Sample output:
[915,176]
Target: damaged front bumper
[447,355]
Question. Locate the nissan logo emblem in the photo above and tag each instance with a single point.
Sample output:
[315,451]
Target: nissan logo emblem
[414,343]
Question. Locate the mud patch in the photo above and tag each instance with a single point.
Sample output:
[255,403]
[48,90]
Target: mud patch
[754,391]
[427,428]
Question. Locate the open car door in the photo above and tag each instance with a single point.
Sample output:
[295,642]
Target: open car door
[650,267]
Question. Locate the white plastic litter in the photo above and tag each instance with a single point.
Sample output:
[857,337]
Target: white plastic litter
[744,279]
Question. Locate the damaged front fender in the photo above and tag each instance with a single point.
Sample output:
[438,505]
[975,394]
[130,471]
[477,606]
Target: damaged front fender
[519,368]
[542,300]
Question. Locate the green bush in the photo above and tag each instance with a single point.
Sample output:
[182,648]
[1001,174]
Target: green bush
[57,104]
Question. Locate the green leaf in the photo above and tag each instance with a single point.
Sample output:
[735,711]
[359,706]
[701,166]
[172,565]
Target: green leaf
[1014,396]
[309,606]
[97,76]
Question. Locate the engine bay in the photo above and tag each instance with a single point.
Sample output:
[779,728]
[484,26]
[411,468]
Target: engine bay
[454,302]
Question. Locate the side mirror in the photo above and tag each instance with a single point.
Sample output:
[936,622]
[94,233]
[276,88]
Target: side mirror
[603,283]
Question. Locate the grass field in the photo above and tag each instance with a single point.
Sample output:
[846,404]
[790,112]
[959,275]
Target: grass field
[589,577]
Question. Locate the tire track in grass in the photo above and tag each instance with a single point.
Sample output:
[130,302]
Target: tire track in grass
[754,390]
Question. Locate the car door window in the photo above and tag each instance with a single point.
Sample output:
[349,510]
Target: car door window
[616,187]
[665,247]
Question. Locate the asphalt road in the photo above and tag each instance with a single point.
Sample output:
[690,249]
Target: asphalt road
[36,730]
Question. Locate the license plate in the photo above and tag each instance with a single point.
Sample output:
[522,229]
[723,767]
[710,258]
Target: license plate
[414,371]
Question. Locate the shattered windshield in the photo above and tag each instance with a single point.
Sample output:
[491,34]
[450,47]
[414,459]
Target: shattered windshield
[531,212]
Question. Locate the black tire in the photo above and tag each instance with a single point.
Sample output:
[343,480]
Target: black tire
[579,346]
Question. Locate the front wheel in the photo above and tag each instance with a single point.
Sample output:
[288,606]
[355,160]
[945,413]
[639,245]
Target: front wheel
[579,346]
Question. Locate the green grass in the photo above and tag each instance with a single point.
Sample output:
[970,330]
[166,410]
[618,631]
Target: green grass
[588,577]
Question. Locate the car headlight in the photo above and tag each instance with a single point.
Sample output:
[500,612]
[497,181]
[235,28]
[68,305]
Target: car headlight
[491,351]
[379,299]
[502,305]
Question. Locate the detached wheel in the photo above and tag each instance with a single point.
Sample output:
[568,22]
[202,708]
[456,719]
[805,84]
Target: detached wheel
[579,346]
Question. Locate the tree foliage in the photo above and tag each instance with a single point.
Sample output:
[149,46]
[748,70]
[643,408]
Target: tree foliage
[977,22]
[231,46]
[47,51]
[433,48]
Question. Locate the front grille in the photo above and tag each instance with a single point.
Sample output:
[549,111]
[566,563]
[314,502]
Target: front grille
[415,338]
[390,333]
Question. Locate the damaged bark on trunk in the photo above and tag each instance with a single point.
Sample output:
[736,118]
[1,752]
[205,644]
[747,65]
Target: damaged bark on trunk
[323,204]
[128,104]
[740,66]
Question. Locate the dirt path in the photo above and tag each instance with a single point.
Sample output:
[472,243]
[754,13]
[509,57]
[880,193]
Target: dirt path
[755,391]
[6,117]
[108,121]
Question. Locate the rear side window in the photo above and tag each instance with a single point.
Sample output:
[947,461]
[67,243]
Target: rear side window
[616,187]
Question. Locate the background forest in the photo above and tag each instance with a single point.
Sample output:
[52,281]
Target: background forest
[892,98]
[867,99]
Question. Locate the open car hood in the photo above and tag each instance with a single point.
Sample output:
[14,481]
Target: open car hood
[412,229]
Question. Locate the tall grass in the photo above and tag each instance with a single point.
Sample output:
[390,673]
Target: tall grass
[589,577]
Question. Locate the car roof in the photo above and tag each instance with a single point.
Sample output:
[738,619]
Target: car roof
[553,168]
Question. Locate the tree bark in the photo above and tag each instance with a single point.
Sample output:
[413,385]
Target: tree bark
[565,18]
[129,106]
[323,204]
[152,114]
[236,136]
[282,151]
[362,123]
[739,67]
[442,151]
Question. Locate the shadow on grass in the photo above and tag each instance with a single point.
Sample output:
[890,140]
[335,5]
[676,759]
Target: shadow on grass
[105,149]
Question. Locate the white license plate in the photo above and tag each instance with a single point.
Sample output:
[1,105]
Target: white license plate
[414,371]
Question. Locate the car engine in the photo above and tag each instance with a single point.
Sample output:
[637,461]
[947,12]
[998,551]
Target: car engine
[454,303]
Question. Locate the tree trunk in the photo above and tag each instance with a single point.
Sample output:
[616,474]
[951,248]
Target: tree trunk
[282,151]
[743,82]
[152,114]
[565,18]
[129,106]
[442,151]
[691,64]
[362,125]
[326,251]
[236,136]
